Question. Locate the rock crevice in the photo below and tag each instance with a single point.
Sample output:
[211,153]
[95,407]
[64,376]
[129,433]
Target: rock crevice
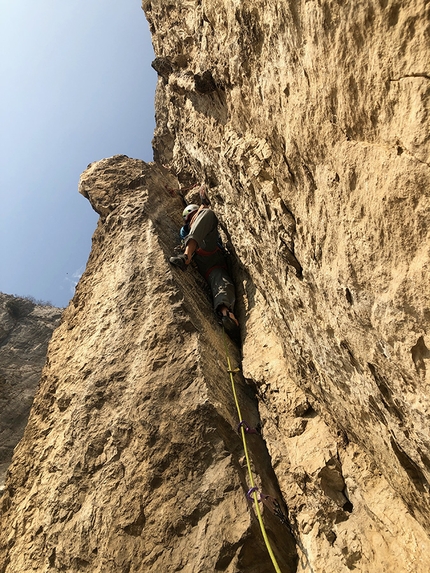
[308,122]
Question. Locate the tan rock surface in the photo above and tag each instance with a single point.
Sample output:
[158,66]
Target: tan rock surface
[316,145]
[308,121]
[131,460]
[345,514]
[25,330]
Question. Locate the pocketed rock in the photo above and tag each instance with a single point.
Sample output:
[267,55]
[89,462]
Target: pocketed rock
[310,130]
[131,460]
[25,330]
[316,145]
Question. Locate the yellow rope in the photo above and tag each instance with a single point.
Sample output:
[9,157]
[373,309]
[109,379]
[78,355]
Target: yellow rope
[248,463]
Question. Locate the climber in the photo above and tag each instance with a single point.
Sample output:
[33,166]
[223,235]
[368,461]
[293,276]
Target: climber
[202,243]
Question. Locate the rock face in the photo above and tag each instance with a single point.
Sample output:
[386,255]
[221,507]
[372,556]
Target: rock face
[131,450]
[315,142]
[308,122]
[25,330]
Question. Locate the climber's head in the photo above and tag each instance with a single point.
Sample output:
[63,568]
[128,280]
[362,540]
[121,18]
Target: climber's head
[189,211]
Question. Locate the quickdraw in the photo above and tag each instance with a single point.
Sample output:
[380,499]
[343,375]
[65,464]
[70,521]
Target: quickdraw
[248,429]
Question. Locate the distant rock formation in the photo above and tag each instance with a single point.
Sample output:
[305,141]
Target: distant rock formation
[25,330]
[308,122]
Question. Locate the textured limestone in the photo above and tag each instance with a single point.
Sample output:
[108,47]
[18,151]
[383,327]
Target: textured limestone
[308,121]
[25,330]
[131,460]
[345,514]
[316,145]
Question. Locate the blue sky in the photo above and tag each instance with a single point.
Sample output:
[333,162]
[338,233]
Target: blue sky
[76,86]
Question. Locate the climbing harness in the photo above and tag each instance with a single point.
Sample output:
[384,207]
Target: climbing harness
[203,253]
[252,494]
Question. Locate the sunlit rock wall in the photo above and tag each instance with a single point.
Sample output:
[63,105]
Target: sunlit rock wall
[308,123]
[25,330]
[131,460]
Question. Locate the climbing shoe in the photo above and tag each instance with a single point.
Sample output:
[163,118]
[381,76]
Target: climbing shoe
[180,261]
[229,325]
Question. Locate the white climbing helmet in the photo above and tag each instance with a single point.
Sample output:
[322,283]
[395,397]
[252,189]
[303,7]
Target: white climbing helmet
[188,210]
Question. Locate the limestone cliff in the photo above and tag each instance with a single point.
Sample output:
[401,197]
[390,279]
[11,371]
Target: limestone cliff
[131,460]
[25,330]
[308,122]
